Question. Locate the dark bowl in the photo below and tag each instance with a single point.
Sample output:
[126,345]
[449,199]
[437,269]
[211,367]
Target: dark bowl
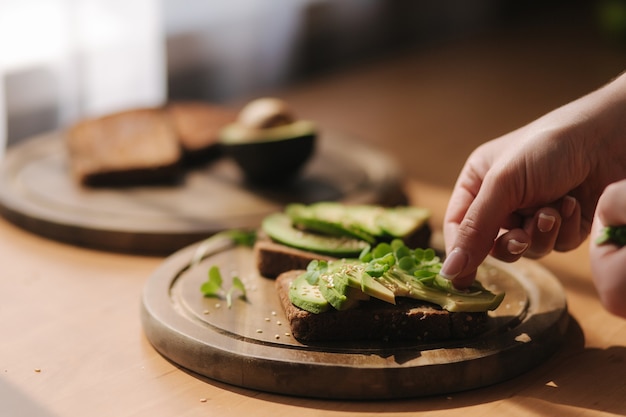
[274,160]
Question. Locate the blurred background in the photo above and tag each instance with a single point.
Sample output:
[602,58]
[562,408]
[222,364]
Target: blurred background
[429,74]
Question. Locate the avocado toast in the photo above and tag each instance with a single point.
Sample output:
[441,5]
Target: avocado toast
[355,273]
[329,230]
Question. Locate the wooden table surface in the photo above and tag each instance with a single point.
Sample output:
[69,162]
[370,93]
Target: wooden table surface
[71,342]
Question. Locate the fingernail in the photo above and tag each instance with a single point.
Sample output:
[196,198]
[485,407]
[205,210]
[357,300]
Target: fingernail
[545,222]
[568,206]
[454,264]
[516,247]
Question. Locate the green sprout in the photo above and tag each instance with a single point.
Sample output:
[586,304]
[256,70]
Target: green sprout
[213,286]
[612,235]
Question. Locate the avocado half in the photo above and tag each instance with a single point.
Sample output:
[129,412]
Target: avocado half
[269,155]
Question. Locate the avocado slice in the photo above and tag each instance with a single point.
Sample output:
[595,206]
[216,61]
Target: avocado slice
[279,227]
[327,218]
[359,279]
[235,133]
[338,283]
[307,296]
[402,221]
[335,289]
[368,222]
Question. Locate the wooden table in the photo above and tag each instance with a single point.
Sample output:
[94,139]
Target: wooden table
[71,338]
[72,345]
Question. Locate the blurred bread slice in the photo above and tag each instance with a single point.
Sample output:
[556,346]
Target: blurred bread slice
[145,146]
[125,148]
[197,125]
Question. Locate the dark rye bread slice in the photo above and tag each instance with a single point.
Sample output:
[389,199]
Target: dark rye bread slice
[126,148]
[273,258]
[408,320]
[197,125]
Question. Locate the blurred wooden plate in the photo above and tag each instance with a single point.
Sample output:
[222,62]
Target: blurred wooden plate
[38,194]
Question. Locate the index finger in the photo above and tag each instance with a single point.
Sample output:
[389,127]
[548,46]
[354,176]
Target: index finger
[472,224]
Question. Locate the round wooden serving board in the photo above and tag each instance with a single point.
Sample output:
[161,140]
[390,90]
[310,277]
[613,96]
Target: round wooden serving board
[248,343]
[38,194]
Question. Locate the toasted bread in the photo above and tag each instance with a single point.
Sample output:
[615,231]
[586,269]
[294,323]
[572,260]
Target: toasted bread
[273,258]
[148,145]
[197,125]
[125,148]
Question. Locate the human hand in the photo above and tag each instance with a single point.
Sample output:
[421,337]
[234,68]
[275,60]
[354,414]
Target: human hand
[535,189]
[608,261]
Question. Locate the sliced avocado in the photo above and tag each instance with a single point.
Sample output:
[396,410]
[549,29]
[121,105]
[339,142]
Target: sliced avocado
[356,294]
[365,216]
[307,296]
[402,221]
[475,300]
[279,227]
[335,289]
[328,218]
[421,281]
[238,133]
[367,222]
[358,278]
[375,289]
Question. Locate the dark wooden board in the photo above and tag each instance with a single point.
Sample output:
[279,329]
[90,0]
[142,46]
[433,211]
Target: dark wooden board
[37,193]
[249,344]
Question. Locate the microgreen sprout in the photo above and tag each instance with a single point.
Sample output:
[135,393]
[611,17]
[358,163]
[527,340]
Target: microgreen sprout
[213,286]
[612,234]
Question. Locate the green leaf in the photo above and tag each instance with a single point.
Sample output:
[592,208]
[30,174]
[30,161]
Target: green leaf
[237,285]
[612,235]
[242,237]
[213,286]
[381,250]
